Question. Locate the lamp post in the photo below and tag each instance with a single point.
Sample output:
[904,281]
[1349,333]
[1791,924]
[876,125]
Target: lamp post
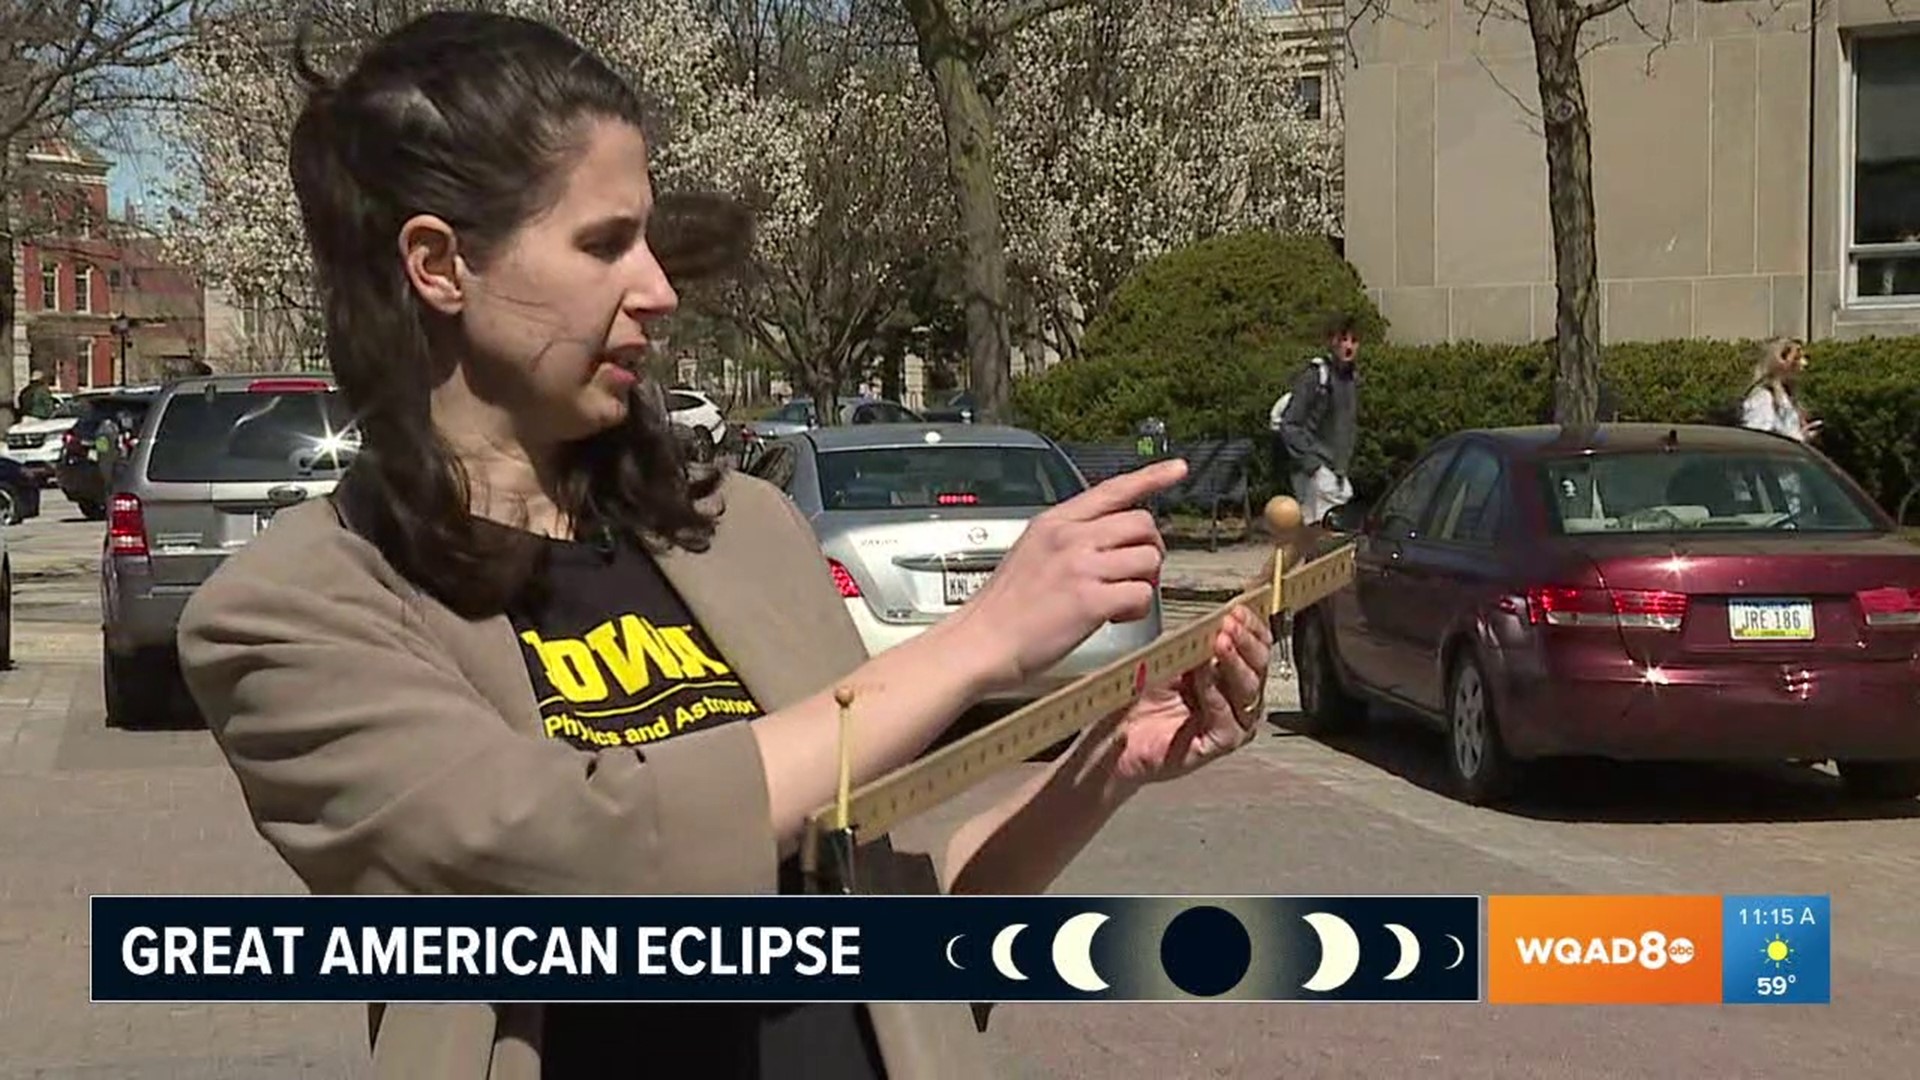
[123,331]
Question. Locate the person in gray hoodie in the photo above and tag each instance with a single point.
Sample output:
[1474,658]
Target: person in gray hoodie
[1317,423]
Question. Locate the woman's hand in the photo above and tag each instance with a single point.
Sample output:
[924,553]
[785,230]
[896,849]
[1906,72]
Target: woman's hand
[1089,561]
[1210,712]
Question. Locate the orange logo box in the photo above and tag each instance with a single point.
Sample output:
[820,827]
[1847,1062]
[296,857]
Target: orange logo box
[1603,950]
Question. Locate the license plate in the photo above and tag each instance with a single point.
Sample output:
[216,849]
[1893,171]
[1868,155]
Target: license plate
[1770,620]
[962,584]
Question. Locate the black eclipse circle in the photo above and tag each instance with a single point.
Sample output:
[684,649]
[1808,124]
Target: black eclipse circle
[1205,951]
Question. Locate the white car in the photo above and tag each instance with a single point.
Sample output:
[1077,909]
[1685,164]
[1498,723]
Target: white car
[691,408]
[36,443]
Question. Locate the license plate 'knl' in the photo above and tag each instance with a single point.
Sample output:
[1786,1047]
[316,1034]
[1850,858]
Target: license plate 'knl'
[1770,620]
[960,585]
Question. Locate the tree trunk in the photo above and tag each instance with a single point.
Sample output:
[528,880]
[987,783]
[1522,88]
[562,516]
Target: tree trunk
[823,384]
[968,125]
[1564,118]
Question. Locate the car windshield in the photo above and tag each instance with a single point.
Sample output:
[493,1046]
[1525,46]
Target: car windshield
[930,476]
[1661,492]
[251,436]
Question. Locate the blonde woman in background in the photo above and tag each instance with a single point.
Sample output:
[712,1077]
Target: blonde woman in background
[1769,404]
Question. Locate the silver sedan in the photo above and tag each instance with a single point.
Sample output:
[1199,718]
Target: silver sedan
[915,517]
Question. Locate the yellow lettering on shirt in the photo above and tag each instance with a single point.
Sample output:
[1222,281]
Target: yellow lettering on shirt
[570,667]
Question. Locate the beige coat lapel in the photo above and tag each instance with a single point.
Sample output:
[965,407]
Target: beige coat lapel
[762,592]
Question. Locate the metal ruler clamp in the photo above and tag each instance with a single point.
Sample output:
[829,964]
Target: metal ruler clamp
[835,832]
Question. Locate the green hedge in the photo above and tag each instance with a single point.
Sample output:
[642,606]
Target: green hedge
[1867,392]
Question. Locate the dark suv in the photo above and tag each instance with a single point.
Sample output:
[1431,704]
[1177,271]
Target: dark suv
[217,457]
[98,441]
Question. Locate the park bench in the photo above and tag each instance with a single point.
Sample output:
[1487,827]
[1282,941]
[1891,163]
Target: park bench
[1216,475]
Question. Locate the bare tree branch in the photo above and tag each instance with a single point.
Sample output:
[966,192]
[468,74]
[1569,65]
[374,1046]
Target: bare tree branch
[1014,19]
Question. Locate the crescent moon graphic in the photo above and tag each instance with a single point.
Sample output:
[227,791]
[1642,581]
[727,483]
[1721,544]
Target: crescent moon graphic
[1073,952]
[1409,953]
[1460,952]
[950,960]
[1339,952]
[1003,952]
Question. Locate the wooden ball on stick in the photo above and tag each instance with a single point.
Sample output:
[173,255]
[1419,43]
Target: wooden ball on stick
[1283,515]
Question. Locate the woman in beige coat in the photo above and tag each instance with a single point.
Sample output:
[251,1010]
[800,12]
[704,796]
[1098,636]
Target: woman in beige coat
[527,648]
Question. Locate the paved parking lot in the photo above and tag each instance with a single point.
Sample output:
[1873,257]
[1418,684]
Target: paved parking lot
[84,810]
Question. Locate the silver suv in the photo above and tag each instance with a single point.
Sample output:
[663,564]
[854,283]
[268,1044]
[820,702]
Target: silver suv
[217,457]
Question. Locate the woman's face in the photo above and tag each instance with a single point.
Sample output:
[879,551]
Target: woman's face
[556,321]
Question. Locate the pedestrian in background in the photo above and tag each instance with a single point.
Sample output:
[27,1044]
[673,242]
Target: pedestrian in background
[1770,403]
[1318,423]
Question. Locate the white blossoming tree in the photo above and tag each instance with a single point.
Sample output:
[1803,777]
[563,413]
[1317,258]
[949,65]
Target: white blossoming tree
[1131,127]
[1127,126]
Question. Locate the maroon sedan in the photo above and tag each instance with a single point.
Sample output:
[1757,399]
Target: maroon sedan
[1633,591]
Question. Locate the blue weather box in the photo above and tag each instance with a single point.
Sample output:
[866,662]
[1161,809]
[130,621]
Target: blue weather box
[1776,950]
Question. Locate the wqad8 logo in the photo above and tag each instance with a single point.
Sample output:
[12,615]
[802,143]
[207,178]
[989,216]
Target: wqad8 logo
[1601,950]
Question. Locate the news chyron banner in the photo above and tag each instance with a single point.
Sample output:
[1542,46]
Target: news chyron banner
[1564,949]
[786,948]
[1659,950]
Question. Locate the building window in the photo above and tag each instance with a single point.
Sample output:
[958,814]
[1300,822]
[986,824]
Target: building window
[1308,96]
[113,279]
[49,285]
[1884,253]
[83,363]
[83,288]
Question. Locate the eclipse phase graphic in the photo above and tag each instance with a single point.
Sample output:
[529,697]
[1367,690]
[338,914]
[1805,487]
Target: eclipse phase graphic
[1460,952]
[1003,952]
[1409,952]
[1339,952]
[951,962]
[1073,952]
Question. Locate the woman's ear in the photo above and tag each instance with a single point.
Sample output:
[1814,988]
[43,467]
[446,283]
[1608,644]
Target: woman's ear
[429,249]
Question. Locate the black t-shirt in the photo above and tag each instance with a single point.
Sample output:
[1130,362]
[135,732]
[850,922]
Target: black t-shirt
[617,660]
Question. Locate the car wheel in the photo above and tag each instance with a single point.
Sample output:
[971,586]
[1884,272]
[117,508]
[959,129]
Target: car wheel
[1476,755]
[9,507]
[1881,779]
[92,511]
[1326,706]
[136,697]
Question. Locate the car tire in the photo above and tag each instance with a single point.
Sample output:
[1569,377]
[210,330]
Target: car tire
[1326,705]
[92,511]
[135,694]
[1881,779]
[1477,761]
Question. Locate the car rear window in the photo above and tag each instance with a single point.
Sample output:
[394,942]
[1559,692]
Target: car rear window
[241,436]
[931,476]
[1674,492]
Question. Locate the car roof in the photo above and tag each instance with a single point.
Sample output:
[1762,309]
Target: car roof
[240,380]
[1557,440]
[876,436]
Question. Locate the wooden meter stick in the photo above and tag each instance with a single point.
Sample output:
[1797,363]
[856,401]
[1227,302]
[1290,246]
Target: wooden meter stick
[859,816]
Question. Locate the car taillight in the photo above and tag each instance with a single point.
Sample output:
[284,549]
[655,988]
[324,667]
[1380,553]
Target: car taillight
[1581,605]
[956,498]
[843,579]
[1892,606]
[126,526]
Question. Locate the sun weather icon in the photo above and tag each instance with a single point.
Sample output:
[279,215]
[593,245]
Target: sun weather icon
[1778,952]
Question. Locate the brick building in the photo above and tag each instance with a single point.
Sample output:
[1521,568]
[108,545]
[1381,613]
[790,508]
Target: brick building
[96,302]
